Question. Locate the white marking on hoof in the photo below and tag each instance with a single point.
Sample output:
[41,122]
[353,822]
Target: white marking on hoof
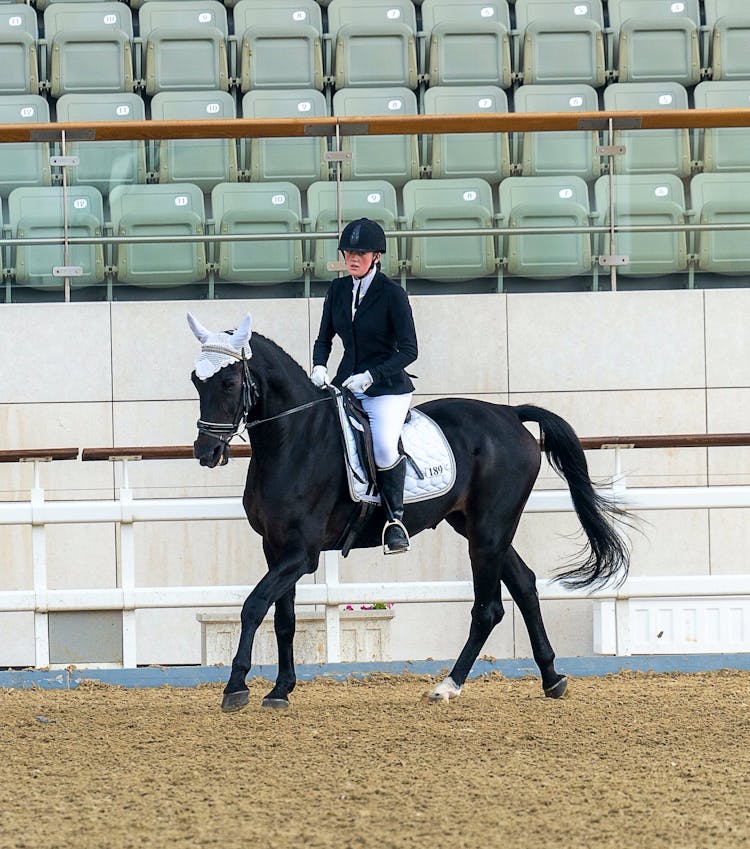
[446,690]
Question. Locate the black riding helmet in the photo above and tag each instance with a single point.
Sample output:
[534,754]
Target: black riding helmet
[362,235]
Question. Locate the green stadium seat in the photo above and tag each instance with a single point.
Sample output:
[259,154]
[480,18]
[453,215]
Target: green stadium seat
[89,47]
[562,41]
[546,202]
[392,158]
[280,44]
[375,199]
[650,151]
[729,21]
[644,199]
[185,45]
[450,205]
[656,40]
[25,163]
[722,199]
[297,159]
[256,208]
[104,164]
[42,212]
[204,162]
[559,153]
[164,209]
[469,42]
[374,43]
[468,154]
[724,148]
[18,58]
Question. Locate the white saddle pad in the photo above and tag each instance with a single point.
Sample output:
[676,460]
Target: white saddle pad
[426,445]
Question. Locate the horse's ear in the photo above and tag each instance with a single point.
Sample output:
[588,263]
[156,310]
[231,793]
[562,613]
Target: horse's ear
[241,335]
[201,334]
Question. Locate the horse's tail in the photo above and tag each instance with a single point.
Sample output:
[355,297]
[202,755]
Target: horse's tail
[606,557]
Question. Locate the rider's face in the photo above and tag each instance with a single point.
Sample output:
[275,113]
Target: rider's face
[358,262]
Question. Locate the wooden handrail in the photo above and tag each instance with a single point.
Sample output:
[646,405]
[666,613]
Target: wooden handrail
[686,440]
[241,449]
[155,452]
[38,454]
[374,125]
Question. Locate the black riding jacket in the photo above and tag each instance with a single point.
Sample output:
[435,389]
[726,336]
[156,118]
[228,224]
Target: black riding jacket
[380,339]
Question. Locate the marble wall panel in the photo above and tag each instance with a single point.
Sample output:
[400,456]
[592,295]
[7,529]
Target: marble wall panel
[604,340]
[55,353]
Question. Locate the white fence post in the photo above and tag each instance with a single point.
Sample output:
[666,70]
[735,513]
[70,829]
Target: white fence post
[127,569]
[333,620]
[39,567]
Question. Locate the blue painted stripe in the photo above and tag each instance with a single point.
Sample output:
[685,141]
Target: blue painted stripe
[191,676]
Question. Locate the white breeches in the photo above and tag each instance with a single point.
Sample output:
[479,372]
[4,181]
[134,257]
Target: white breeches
[387,414]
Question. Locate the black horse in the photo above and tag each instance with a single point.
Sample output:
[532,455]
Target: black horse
[296,497]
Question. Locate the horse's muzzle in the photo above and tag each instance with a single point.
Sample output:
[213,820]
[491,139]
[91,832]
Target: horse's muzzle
[210,451]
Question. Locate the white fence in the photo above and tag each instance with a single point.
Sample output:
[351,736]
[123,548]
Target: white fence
[612,618]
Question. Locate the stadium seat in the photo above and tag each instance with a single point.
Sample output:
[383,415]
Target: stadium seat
[392,158]
[374,43]
[280,44]
[724,148]
[164,209]
[18,59]
[25,163]
[204,162]
[35,213]
[656,40]
[729,21]
[297,159]
[546,202]
[256,208]
[89,47]
[561,41]
[104,164]
[450,205]
[722,199]
[468,154]
[645,199]
[559,153]
[469,42]
[185,45]
[375,199]
[650,151]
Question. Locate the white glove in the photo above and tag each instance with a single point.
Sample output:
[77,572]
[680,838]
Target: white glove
[319,376]
[358,382]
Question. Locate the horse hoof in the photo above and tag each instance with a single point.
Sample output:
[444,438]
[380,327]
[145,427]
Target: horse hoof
[557,690]
[275,704]
[234,701]
[444,692]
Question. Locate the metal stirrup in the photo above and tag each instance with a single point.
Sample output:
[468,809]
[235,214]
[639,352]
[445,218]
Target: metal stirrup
[389,524]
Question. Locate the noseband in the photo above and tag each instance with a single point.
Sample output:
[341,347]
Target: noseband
[224,431]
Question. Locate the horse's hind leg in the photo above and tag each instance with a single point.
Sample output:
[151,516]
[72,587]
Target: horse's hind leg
[284,622]
[521,583]
[486,562]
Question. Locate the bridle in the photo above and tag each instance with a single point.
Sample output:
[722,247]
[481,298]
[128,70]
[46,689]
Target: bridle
[249,397]
[226,431]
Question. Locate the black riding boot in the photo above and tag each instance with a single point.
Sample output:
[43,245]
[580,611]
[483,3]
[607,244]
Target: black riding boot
[391,485]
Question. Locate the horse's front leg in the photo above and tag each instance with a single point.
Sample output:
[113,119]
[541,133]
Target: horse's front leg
[284,626]
[273,586]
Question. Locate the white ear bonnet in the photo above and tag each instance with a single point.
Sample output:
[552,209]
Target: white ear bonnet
[220,349]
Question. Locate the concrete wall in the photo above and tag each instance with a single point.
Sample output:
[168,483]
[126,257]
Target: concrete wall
[612,363]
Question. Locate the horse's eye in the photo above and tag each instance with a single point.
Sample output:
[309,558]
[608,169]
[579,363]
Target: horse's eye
[228,384]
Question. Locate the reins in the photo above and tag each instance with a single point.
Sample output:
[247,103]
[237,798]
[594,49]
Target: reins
[288,412]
